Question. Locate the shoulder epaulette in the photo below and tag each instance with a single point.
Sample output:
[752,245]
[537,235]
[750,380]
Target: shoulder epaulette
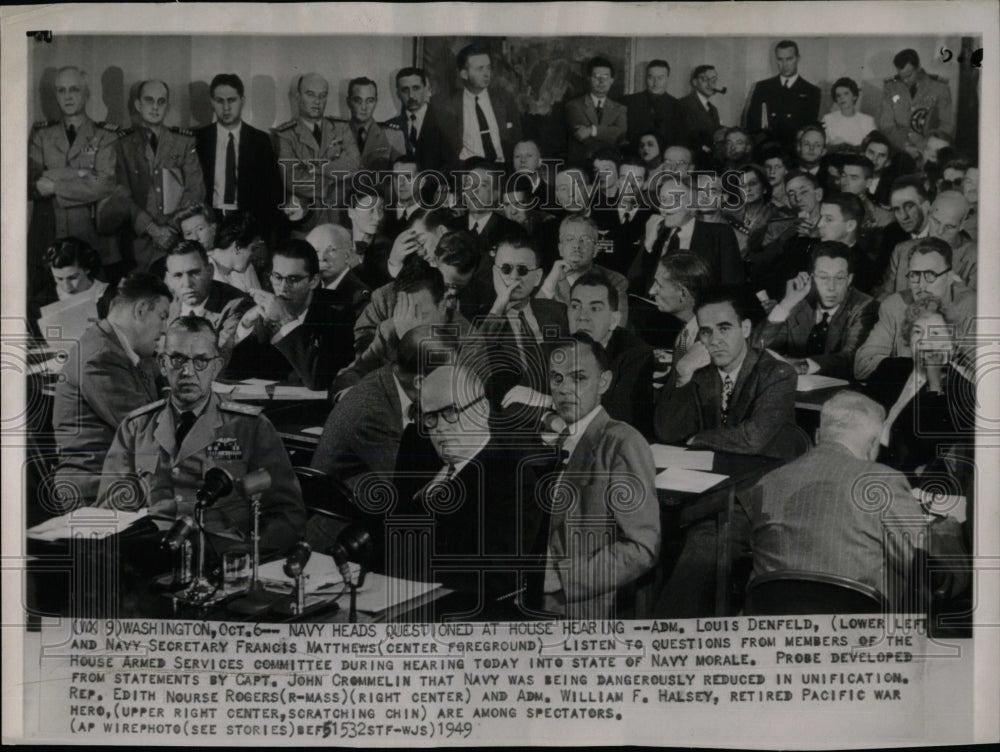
[146,409]
[181,131]
[891,79]
[936,77]
[285,126]
[240,407]
[44,124]
[126,131]
[106,126]
[394,124]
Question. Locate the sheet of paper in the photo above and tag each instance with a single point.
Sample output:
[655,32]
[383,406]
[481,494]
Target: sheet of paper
[812,382]
[313,430]
[665,456]
[687,481]
[779,356]
[258,382]
[90,522]
[948,505]
[298,393]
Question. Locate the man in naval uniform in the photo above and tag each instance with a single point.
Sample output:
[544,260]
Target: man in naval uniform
[914,104]
[71,168]
[316,155]
[159,168]
[167,446]
[379,143]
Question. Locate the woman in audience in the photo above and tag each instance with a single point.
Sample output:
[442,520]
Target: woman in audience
[650,150]
[74,269]
[777,164]
[846,124]
[930,402]
[751,219]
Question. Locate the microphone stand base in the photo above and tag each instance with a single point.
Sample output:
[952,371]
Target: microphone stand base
[288,607]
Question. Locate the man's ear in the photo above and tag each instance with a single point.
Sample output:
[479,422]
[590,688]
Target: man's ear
[819,195]
[746,326]
[314,281]
[616,319]
[604,382]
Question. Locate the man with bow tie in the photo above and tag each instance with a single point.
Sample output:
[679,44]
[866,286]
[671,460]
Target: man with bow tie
[71,167]
[167,446]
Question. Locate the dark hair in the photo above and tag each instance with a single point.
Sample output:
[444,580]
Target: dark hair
[517,182]
[599,62]
[184,247]
[432,218]
[932,245]
[416,275]
[785,44]
[195,210]
[915,181]
[71,251]
[850,207]
[818,127]
[607,153]
[582,338]
[738,129]
[362,81]
[761,174]
[659,142]
[192,324]
[458,249]
[239,227]
[772,150]
[906,57]
[411,71]
[597,278]
[657,63]
[364,191]
[423,348]
[688,270]
[139,286]
[858,160]
[468,51]
[833,249]
[732,294]
[226,79]
[520,238]
[143,84]
[876,137]
[701,69]
[296,248]
[802,174]
[404,159]
[846,83]
[585,169]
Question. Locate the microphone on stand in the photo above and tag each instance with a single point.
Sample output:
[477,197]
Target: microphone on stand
[354,542]
[216,484]
[179,532]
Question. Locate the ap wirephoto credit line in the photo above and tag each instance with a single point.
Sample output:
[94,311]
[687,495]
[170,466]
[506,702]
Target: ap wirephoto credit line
[406,375]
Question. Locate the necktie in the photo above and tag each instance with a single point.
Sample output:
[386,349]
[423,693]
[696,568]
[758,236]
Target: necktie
[670,246]
[154,141]
[413,131]
[787,83]
[727,392]
[561,445]
[600,112]
[681,345]
[913,91]
[317,133]
[489,148]
[71,133]
[714,114]
[183,427]
[230,192]
[361,139]
[816,344]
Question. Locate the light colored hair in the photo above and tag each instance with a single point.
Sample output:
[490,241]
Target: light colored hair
[850,416]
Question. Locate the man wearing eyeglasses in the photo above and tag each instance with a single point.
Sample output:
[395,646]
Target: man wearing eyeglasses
[930,274]
[295,334]
[168,445]
[822,319]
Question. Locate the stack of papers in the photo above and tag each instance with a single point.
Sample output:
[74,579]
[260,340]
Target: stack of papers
[262,389]
[298,393]
[665,456]
[88,522]
[687,481]
[943,505]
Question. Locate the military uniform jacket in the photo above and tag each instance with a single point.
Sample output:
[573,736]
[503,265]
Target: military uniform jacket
[325,183]
[230,435]
[787,109]
[83,173]
[384,142]
[907,120]
[154,181]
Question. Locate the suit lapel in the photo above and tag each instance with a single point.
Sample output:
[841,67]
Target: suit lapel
[164,430]
[202,433]
[802,324]
[737,405]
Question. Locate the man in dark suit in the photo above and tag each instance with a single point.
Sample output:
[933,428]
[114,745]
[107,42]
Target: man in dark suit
[477,121]
[700,116]
[336,252]
[363,431]
[786,248]
[594,546]
[781,105]
[481,198]
[528,161]
[238,163]
[189,277]
[298,333]
[110,373]
[732,398]
[676,228]
[654,110]
[418,121]
[594,310]
[823,319]
[378,143]
[889,165]
[593,120]
[911,207]
[621,229]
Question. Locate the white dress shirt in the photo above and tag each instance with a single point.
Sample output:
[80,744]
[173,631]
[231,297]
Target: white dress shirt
[221,144]
[472,141]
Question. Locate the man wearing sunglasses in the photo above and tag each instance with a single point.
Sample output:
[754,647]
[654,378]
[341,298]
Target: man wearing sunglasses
[930,274]
[168,445]
[298,333]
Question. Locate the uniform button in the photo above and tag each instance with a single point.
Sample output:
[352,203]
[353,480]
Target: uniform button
[176,471]
[157,189]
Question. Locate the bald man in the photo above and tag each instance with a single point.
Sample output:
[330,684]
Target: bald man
[71,167]
[317,154]
[335,249]
[944,221]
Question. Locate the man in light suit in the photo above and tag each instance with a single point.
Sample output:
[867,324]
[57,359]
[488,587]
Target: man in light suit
[379,143]
[237,160]
[477,121]
[159,168]
[313,193]
[594,121]
[823,319]
[595,545]
[109,373]
[781,105]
